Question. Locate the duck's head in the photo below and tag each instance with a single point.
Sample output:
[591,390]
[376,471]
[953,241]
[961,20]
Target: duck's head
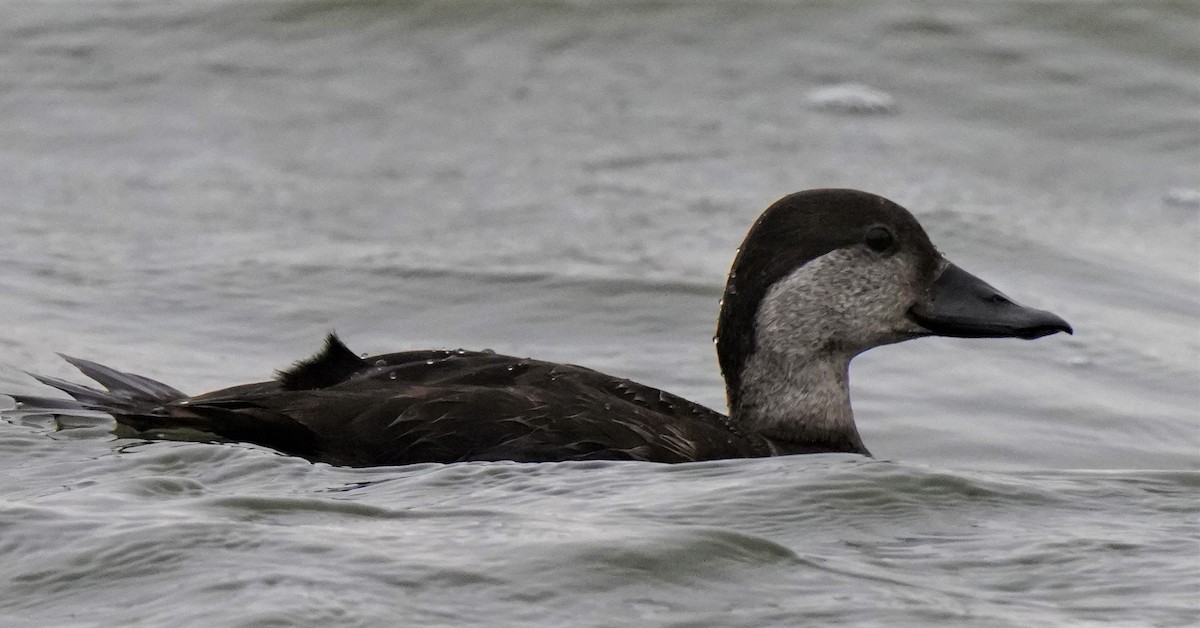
[832,273]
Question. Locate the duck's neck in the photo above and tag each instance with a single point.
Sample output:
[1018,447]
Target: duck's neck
[798,402]
[785,352]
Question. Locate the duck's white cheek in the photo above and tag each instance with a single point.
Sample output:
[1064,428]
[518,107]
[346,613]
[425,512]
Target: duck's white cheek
[846,298]
[801,311]
[808,308]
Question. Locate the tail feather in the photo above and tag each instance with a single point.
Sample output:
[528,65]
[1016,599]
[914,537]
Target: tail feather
[86,396]
[125,392]
[135,387]
[40,404]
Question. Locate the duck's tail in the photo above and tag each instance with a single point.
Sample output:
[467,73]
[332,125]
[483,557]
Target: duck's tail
[124,394]
[144,408]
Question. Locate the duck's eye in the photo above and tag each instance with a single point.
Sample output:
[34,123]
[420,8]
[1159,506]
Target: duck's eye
[880,239]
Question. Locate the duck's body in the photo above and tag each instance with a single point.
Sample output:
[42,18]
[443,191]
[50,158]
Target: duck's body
[451,406]
[822,276]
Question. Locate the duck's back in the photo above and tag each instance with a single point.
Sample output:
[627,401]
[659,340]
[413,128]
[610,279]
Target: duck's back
[451,406]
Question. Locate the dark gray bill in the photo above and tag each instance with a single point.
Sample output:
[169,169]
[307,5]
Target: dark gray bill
[964,306]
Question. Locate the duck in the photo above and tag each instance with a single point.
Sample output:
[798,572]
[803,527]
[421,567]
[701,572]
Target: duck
[822,276]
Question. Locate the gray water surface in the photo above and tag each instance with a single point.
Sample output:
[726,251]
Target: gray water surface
[198,191]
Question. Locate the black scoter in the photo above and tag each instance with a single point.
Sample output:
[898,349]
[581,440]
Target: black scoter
[822,276]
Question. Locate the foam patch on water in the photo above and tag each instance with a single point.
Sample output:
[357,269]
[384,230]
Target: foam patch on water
[851,98]
[1182,197]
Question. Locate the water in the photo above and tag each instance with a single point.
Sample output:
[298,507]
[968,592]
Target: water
[197,191]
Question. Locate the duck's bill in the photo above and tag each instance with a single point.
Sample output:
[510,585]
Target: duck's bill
[964,306]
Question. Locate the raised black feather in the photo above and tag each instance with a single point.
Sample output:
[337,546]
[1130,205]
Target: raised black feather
[331,365]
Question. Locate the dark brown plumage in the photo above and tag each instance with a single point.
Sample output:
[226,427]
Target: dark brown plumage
[450,406]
